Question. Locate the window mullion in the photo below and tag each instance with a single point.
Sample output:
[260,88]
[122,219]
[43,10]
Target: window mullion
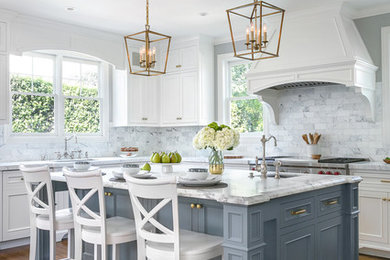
[60,98]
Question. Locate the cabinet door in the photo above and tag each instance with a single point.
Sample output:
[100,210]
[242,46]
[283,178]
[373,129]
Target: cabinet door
[330,240]
[171,99]
[4,99]
[298,245]
[137,83]
[189,93]
[189,58]
[149,100]
[173,61]
[3,37]
[374,216]
[16,212]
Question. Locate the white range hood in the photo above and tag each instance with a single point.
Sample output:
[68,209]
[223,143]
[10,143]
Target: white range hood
[318,49]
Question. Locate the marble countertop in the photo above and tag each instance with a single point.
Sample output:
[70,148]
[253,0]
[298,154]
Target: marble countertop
[373,166]
[240,188]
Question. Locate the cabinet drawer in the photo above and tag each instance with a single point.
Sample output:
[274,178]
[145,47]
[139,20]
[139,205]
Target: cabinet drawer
[298,211]
[329,203]
[12,181]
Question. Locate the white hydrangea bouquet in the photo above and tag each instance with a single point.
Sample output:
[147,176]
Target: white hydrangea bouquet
[218,138]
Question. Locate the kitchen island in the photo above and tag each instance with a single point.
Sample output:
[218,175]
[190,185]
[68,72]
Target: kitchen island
[297,217]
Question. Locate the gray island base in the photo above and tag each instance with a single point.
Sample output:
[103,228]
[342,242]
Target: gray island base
[299,217]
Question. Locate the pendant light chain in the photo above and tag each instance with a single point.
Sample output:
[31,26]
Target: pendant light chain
[147,26]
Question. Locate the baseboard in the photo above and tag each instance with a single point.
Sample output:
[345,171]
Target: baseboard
[374,252]
[14,243]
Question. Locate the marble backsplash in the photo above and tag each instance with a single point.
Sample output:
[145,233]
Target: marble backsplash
[338,113]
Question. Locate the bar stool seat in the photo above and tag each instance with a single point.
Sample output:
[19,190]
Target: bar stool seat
[63,220]
[192,244]
[118,230]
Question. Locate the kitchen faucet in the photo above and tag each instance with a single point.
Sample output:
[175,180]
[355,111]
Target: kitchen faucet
[67,139]
[263,166]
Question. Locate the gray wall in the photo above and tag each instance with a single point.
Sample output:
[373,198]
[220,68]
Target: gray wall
[370,30]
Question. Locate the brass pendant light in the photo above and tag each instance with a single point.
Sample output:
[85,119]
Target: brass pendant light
[147,51]
[263,22]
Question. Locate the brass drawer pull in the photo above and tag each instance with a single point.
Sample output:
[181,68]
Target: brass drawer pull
[199,206]
[331,202]
[178,66]
[384,199]
[298,212]
[178,118]
[144,118]
[109,194]
[192,205]
[385,181]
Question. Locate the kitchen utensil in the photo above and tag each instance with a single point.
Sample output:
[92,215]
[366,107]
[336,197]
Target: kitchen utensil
[311,138]
[305,138]
[317,138]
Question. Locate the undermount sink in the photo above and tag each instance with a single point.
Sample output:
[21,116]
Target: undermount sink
[73,160]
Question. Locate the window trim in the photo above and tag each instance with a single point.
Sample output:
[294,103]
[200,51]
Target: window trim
[385,35]
[59,133]
[224,62]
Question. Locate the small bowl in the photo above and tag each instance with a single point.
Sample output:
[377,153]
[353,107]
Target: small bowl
[130,168]
[81,165]
[117,175]
[197,173]
[386,161]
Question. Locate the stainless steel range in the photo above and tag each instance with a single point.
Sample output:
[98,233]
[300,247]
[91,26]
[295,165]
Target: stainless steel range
[328,166]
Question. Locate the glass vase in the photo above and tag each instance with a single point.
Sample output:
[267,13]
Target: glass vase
[216,162]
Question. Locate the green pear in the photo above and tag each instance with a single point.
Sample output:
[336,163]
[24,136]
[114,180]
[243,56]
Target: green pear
[165,159]
[173,158]
[178,157]
[156,158]
[151,157]
[146,167]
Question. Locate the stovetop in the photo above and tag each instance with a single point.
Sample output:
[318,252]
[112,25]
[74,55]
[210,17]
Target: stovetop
[342,160]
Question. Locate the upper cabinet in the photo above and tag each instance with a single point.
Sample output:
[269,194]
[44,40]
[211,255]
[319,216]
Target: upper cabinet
[183,96]
[4,99]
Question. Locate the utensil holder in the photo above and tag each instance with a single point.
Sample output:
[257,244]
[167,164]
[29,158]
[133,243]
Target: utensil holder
[313,151]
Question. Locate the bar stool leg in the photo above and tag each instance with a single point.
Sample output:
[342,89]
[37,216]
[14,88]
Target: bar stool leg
[33,242]
[78,244]
[115,252]
[71,244]
[52,244]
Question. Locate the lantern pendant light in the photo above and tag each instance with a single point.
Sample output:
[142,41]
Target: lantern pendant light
[257,17]
[147,51]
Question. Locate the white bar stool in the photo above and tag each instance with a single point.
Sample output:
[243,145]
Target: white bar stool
[91,226]
[167,244]
[43,215]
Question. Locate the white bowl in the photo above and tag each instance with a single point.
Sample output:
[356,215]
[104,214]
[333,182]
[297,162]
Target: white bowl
[130,170]
[197,175]
[117,175]
[81,165]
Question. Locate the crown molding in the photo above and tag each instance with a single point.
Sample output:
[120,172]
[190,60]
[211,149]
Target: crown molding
[374,11]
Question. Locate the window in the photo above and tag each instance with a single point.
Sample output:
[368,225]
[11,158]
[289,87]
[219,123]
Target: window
[55,95]
[246,111]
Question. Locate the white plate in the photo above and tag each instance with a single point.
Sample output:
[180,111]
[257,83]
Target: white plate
[141,175]
[124,155]
[92,168]
[210,181]
[166,164]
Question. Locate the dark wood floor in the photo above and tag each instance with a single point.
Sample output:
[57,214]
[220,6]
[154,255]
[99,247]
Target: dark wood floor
[21,253]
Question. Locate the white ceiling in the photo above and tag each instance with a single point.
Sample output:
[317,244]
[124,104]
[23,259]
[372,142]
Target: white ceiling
[174,17]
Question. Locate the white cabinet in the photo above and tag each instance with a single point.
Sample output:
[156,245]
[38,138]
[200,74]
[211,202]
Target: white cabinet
[182,97]
[179,99]
[183,59]
[16,213]
[135,100]
[374,226]
[374,205]
[143,96]
[4,99]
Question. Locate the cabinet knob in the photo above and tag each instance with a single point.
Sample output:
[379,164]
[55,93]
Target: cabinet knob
[109,194]
[178,66]
[199,206]
[192,205]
